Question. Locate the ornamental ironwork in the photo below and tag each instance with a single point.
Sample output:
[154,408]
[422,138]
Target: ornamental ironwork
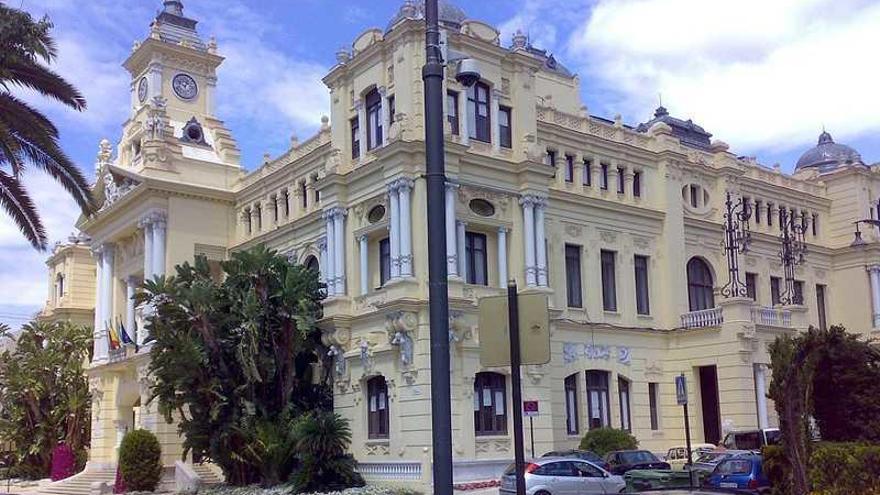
[737,238]
[792,252]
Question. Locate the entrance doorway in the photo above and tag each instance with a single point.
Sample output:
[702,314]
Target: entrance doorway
[709,400]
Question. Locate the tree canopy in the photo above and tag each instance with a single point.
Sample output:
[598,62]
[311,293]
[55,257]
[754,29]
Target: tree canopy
[234,361]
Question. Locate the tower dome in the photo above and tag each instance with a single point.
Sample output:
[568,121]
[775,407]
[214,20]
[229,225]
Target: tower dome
[828,155]
[448,14]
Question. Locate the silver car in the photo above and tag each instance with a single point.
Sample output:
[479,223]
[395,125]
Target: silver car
[562,476]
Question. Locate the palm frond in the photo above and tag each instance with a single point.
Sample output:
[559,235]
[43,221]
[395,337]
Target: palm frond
[44,81]
[18,204]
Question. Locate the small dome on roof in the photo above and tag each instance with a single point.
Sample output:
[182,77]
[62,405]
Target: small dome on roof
[448,15]
[828,155]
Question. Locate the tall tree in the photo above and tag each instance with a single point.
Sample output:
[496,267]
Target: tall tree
[27,137]
[44,392]
[233,361]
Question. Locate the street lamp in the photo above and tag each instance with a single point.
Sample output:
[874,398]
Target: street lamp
[737,238]
[858,241]
[792,252]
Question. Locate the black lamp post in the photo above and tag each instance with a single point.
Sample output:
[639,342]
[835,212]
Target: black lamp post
[857,240]
[737,238]
[793,251]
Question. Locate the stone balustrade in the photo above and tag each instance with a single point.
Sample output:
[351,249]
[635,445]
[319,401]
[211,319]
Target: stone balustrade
[711,317]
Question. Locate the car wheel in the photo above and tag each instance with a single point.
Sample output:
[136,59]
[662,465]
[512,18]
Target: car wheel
[542,492]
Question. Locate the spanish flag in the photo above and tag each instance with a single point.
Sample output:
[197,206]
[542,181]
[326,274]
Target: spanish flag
[112,336]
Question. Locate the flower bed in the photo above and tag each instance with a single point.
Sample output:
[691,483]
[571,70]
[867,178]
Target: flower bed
[287,490]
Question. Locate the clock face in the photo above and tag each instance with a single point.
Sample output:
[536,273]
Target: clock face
[142,89]
[185,86]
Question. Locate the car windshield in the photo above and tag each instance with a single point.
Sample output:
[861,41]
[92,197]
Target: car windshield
[587,456]
[735,466]
[709,457]
[637,457]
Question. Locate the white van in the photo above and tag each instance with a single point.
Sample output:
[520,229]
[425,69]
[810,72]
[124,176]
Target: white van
[751,439]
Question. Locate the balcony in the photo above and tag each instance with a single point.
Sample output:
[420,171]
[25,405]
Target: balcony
[759,315]
[773,317]
[711,317]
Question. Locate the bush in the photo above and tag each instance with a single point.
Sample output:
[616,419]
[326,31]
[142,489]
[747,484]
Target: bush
[845,468]
[63,462]
[605,440]
[321,441]
[777,469]
[140,461]
[27,471]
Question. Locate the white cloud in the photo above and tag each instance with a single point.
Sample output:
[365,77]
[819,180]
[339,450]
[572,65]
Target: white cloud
[759,75]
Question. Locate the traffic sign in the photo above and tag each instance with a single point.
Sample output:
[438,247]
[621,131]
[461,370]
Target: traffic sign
[534,330]
[530,408]
[681,395]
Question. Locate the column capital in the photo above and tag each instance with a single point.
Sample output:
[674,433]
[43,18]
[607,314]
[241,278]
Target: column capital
[452,185]
[873,268]
[405,184]
[461,222]
[533,200]
[322,244]
[392,186]
[503,230]
[108,248]
[362,238]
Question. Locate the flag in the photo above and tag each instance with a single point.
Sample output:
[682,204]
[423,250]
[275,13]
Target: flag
[112,336]
[123,335]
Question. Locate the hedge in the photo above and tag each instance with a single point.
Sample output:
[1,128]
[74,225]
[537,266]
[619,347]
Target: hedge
[140,461]
[834,469]
[605,440]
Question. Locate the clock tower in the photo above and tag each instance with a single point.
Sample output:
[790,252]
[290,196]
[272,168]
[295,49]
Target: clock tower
[173,120]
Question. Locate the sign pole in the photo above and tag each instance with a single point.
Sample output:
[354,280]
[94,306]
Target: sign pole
[532,434]
[681,397]
[516,387]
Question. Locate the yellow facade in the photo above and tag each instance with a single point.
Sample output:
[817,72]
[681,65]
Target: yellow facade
[171,192]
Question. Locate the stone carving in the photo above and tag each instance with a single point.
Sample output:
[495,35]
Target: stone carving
[608,236]
[573,230]
[155,123]
[338,358]
[375,448]
[405,343]
[641,242]
[113,190]
[572,352]
[366,356]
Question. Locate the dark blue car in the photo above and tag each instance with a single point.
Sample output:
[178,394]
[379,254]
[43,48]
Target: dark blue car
[743,473]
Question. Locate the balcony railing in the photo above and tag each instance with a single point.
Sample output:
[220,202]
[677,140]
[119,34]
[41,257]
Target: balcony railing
[391,471]
[773,317]
[711,317]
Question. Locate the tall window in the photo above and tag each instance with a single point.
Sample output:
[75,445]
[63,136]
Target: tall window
[59,286]
[551,158]
[377,402]
[695,195]
[620,185]
[769,214]
[312,264]
[475,257]
[569,168]
[653,405]
[479,124]
[246,216]
[286,195]
[603,178]
[623,395]
[701,289]
[490,404]
[598,403]
[820,306]
[303,193]
[373,102]
[258,212]
[798,292]
[384,261]
[775,290]
[505,134]
[452,110]
[757,214]
[609,289]
[588,173]
[355,138]
[637,184]
[274,205]
[752,286]
[392,109]
[573,276]
[643,305]
[571,405]
[815,224]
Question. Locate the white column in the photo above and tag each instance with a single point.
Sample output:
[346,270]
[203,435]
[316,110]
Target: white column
[339,250]
[502,256]
[324,263]
[154,88]
[130,286]
[540,243]
[98,329]
[147,225]
[101,344]
[529,239]
[463,130]
[159,245]
[365,267]
[362,128]
[460,235]
[386,115]
[874,272]
[394,228]
[496,97]
[451,245]
[761,395]
[331,256]
[403,191]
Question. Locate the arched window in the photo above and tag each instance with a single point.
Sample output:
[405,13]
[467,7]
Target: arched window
[701,288]
[623,395]
[571,405]
[312,264]
[377,402]
[490,404]
[598,403]
[59,286]
[373,102]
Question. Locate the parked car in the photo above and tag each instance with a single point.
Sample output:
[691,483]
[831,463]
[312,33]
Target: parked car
[562,476]
[622,461]
[677,456]
[753,439]
[740,472]
[707,461]
[585,455]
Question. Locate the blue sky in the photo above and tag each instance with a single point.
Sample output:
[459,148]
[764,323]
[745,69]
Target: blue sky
[762,76]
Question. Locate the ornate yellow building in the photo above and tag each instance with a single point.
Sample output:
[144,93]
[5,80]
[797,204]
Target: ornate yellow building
[621,226]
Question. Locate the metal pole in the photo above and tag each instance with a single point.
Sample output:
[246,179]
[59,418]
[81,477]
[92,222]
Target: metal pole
[516,387]
[687,436]
[438,306]
[532,434]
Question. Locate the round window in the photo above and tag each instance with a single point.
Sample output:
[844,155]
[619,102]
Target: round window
[482,207]
[376,214]
[194,133]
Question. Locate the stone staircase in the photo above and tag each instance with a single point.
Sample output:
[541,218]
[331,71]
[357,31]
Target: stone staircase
[208,473]
[79,484]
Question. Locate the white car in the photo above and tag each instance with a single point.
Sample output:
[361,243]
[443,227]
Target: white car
[562,476]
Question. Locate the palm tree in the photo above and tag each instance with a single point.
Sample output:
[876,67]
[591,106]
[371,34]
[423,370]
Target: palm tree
[27,137]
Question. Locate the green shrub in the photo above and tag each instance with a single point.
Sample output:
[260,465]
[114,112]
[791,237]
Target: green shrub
[28,471]
[605,440]
[322,439]
[140,461]
[777,469]
[845,469]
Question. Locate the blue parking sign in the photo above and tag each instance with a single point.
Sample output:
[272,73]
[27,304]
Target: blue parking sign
[681,395]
